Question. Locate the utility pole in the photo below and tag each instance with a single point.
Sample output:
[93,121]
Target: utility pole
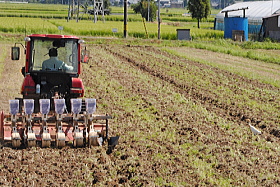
[125,19]
[148,10]
[69,11]
[158,19]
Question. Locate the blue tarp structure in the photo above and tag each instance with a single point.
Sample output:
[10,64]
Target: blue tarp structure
[235,23]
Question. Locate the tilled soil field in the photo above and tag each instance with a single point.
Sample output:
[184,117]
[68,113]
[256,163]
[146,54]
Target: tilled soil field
[181,123]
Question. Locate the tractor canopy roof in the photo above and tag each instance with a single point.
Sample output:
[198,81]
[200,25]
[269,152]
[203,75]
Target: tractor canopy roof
[52,36]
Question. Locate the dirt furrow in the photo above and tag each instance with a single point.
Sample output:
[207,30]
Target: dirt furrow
[174,131]
[184,125]
[230,111]
[187,133]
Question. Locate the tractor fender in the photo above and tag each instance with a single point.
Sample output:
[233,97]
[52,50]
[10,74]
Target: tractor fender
[28,85]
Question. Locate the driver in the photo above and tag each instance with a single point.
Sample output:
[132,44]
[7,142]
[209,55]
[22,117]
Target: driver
[53,63]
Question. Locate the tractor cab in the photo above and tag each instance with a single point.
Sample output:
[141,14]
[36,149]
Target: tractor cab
[40,49]
[52,67]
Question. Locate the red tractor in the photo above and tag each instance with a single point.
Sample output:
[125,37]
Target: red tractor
[51,82]
[51,110]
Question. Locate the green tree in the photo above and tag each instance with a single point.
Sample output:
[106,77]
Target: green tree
[199,9]
[143,6]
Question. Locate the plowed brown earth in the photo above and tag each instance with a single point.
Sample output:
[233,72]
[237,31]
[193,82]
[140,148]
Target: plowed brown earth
[181,122]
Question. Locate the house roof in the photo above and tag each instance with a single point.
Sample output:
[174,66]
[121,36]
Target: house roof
[273,15]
